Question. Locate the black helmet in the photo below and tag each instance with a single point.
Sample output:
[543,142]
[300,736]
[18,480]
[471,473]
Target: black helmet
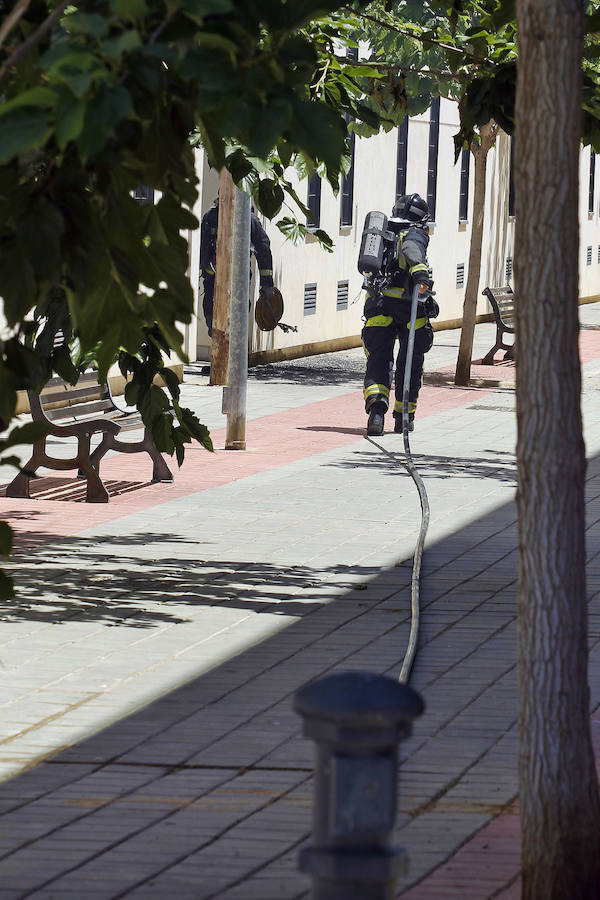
[411,208]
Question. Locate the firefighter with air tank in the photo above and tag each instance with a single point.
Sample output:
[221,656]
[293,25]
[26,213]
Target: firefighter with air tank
[393,259]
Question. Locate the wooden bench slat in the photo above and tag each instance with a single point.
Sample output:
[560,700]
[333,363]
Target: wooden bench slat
[66,397]
[91,376]
[125,421]
[79,411]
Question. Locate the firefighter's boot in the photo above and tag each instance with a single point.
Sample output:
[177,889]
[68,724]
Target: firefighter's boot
[398,422]
[376,419]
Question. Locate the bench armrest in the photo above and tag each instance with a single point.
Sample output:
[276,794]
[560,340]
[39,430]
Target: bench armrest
[93,426]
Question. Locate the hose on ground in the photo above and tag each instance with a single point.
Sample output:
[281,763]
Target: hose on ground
[413,638]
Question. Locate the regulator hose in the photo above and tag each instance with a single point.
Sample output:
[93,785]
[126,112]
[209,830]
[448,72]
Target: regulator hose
[411,650]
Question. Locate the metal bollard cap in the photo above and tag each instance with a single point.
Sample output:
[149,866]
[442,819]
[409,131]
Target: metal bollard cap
[347,702]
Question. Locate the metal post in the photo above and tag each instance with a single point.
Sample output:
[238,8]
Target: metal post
[356,720]
[234,395]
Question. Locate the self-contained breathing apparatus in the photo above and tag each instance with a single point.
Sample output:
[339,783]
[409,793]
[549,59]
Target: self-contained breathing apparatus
[379,254]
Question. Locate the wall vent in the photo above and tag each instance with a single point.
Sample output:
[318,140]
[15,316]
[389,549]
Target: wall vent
[589,256]
[599,253]
[310,299]
[342,296]
[508,269]
[460,275]
[143,194]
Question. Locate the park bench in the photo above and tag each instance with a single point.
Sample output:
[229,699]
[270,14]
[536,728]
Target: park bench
[82,411]
[503,301]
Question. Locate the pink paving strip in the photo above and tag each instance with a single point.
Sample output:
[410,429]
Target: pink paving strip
[272,441]
[488,863]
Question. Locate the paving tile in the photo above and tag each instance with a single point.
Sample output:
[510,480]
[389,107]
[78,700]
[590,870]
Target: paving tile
[155,672]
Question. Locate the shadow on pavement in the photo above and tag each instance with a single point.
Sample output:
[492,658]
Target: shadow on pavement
[206,792]
[129,589]
[442,467]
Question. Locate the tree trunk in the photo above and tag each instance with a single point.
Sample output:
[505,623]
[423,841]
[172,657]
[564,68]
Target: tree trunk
[465,349]
[219,352]
[560,805]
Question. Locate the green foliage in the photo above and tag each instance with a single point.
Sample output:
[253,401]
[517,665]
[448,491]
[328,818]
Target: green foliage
[172,426]
[467,49]
[7,586]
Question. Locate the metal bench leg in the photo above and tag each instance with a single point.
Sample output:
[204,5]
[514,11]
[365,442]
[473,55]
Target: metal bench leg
[95,490]
[99,452]
[19,486]
[488,359]
[160,470]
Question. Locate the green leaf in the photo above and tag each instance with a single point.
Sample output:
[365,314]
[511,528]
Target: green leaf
[6,539]
[68,120]
[24,434]
[270,197]
[40,96]
[180,451]
[293,230]
[217,42]
[124,42]
[171,380]
[319,131]
[199,9]
[21,130]
[133,9]
[63,364]
[154,404]
[7,587]
[323,239]
[162,432]
[284,151]
[132,391]
[92,24]
[43,227]
[239,165]
[101,117]
[358,71]
[8,394]
[63,56]
[199,431]
[18,281]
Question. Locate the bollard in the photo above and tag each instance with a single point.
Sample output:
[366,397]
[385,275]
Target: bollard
[356,720]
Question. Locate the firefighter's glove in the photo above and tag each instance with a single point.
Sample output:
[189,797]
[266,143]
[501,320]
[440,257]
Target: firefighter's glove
[432,309]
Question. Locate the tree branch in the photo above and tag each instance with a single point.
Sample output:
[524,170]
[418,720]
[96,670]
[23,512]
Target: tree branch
[396,67]
[160,28]
[33,39]
[12,19]
[417,37]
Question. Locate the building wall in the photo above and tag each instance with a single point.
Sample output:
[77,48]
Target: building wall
[374,188]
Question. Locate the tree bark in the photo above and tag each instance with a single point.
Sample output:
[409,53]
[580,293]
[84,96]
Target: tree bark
[560,805]
[219,352]
[465,350]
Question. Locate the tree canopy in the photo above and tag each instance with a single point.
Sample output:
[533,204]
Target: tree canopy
[99,98]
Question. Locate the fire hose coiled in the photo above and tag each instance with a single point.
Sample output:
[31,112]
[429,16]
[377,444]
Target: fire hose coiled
[413,638]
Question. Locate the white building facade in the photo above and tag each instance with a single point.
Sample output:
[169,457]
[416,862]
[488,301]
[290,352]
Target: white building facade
[322,291]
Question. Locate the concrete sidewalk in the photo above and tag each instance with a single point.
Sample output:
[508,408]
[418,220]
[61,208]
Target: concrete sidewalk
[147,667]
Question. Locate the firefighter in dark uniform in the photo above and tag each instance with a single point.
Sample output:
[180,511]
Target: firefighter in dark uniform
[261,247]
[387,318]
